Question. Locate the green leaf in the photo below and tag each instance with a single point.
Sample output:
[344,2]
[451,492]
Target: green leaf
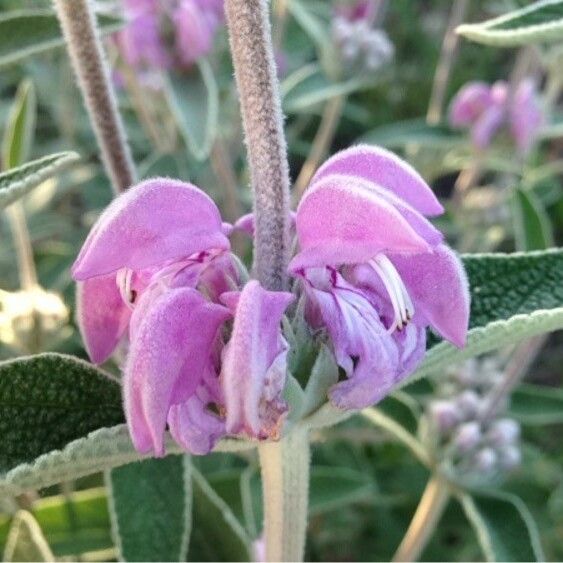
[216,531]
[309,86]
[513,297]
[540,22]
[26,542]
[505,528]
[194,100]
[151,503]
[17,182]
[531,223]
[323,376]
[414,132]
[20,127]
[27,32]
[536,405]
[48,400]
[102,449]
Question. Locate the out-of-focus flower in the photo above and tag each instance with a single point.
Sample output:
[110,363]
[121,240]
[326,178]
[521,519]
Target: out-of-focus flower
[375,271]
[161,35]
[356,39]
[486,110]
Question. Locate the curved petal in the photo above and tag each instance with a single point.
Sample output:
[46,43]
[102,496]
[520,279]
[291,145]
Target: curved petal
[526,116]
[194,31]
[469,103]
[438,286]
[154,222]
[102,316]
[170,352]
[386,170]
[254,362]
[487,126]
[345,223]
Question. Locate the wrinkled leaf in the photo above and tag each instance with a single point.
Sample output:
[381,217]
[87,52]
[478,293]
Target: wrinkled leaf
[151,503]
[540,22]
[17,182]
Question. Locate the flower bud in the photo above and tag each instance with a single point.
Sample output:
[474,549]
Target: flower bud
[503,432]
[443,415]
[469,404]
[510,457]
[467,436]
[485,460]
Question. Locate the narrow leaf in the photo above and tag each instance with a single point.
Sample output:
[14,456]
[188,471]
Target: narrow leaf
[540,22]
[17,182]
[505,528]
[532,228]
[27,32]
[151,503]
[194,101]
[536,405]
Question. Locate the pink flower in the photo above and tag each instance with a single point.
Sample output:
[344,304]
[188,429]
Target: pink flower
[486,110]
[376,273]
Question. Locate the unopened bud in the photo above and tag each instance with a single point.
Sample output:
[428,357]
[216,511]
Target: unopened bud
[443,415]
[503,432]
[469,404]
[509,457]
[467,437]
[485,460]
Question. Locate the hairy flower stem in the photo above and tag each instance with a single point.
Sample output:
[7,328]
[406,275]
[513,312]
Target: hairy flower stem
[255,73]
[85,49]
[425,519]
[285,481]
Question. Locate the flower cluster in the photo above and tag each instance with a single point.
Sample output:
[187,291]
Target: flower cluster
[487,110]
[356,39]
[206,355]
[473,432]
[175,33]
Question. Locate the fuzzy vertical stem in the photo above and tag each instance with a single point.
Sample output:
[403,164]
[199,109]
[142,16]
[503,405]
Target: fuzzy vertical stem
[255,73]
[424,522]
[285,482]
[88,60]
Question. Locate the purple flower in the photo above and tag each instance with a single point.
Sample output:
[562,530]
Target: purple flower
[375,271]
[486,110]
[151,273]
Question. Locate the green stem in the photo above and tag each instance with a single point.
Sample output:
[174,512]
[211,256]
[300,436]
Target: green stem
[285,482]
[428,513]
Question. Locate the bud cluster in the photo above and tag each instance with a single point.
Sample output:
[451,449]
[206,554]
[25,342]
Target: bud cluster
[469,425]
[359,43]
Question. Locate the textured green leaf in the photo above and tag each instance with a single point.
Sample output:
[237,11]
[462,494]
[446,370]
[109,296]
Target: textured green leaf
[505,528]
[20,127]
[216,532]
[531,223]
[536,405]
[25,541]
[151,503]
[26,32]
[17,182]
[102,449]
[48,400]
[194,101]
[539,22]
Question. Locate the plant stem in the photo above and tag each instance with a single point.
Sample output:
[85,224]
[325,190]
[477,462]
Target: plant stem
[22,244]
[445,63]
[285,482]
[85,49]
[255,73]
[425,519]
[321,143]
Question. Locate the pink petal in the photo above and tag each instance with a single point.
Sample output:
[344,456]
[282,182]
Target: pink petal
[170,352]
[469,103]
[341,223]
[154,222]
[254,362]
[102,316]
[526,115]
[194,32]
[487,126]
[386,170]
[438,287]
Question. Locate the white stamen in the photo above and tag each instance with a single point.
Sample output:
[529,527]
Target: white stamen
[124,280]
[403,308]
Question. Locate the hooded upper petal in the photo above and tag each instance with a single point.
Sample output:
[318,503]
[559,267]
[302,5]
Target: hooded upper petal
[437,284]
[254,364]
[194,31]
[385,169]
[343,222]
[102,316]
[170,353]
[154,222]
[469,103]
